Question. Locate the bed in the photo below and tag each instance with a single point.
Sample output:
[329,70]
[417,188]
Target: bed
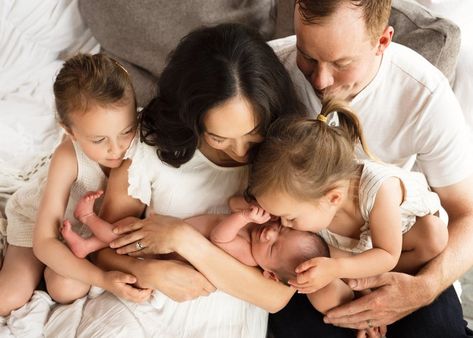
[35,38]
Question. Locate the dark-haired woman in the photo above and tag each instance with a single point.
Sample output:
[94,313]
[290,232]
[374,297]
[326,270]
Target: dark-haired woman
[221,89]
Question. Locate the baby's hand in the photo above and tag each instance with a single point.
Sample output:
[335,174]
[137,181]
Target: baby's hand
[314,274]
[374,332]
[119,283]
[256,214]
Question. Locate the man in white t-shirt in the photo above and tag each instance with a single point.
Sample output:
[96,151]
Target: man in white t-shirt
[410,116]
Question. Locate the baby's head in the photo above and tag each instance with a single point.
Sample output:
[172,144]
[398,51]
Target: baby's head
[279,250]
[95,104]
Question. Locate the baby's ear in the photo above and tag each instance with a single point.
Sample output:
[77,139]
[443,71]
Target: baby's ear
[270,275]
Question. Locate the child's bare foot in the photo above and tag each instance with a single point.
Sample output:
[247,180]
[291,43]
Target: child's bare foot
[77,244]
[85,206]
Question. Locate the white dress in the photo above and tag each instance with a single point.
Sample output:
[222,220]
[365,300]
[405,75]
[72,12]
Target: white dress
[22,207]
[418,201]
[197,187]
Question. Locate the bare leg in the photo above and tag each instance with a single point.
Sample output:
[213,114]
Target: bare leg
[64,290]
[81,247]
[426,239]
[19,277]
[84,212]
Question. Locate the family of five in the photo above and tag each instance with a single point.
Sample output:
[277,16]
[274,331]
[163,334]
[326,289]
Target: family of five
[266,177]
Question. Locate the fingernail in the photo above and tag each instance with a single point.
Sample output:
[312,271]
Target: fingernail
[115,230]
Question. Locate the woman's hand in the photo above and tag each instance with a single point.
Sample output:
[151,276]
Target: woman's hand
[119,283]
[181,282]
[153,235]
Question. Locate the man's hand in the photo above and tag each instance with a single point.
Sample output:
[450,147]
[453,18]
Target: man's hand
[394,296]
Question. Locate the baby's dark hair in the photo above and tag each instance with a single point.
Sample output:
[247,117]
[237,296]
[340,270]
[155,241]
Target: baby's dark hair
[310,246]
[86,80]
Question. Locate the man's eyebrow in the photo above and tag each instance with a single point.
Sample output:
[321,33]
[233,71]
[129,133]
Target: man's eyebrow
[250,132]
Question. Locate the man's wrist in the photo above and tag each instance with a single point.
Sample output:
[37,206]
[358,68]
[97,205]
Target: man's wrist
[428,288]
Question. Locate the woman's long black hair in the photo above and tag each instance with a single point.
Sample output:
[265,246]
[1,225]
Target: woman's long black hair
[209,66]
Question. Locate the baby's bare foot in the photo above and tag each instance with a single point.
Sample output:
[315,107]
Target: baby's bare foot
[85,206]
[76,243]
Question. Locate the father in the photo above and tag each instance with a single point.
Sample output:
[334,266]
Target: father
[410,116]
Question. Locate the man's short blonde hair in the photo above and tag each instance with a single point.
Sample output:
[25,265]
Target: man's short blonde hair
[376,12]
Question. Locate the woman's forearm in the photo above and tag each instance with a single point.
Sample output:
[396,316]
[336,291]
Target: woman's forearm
[228,274]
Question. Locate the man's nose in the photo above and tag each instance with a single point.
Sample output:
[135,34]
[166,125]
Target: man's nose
[321,77]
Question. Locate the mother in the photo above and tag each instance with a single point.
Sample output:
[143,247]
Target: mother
[222,88]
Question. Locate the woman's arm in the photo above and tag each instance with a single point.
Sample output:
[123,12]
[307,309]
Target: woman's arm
[177,280]
[165,234]
[46,245]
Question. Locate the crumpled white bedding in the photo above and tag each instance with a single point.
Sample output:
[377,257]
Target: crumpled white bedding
[35,36]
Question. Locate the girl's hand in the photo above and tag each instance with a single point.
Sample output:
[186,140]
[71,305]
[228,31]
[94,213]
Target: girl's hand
[257,215]
[314,274]
[153,235]
[119,283]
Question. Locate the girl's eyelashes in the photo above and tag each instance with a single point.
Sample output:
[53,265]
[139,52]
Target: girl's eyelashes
[98,141]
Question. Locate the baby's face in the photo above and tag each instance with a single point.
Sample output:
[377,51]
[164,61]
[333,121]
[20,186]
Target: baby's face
[274,245]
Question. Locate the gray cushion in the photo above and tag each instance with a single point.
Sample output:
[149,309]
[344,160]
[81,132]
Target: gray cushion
[141,33]
[437,39]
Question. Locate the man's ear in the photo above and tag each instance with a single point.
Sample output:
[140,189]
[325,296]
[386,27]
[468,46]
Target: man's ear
[270,275]
[384,40]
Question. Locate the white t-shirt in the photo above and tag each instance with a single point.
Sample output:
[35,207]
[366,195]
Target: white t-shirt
[409,114]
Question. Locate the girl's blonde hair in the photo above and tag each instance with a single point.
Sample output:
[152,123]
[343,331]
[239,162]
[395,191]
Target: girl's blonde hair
[306,158]
[86,80]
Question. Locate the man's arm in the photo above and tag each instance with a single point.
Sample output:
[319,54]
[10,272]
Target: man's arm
[457,258]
